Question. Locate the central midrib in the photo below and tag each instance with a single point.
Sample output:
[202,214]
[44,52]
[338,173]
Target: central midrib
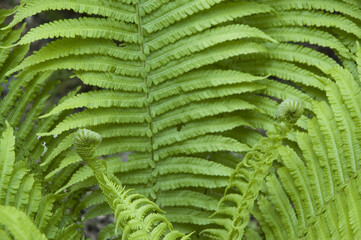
[147,85]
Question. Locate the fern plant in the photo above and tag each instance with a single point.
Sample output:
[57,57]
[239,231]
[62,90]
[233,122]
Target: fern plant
[187,87]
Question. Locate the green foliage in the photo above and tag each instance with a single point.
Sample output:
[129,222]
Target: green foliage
[25,212]
[190,90]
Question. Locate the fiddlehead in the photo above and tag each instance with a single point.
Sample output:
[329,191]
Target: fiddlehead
[289,111]
[137,216]
[248,177]
[86,142]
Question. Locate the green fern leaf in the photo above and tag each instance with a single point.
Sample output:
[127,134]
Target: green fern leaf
[108,99]
[90,27]
[109,9]
[7,159]
[329,6]
[70,47]
[309,18]
[19,224]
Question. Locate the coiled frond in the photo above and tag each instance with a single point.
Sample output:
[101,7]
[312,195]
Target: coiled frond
[234,207]
[289,111]
[137,216]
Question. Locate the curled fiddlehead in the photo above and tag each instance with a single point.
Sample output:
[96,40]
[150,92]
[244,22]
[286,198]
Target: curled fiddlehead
[137,216]
[247,179]
[289,111]
[86,142]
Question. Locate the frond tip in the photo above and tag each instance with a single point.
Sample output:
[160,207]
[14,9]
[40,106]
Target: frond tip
[289,111]
[86,142]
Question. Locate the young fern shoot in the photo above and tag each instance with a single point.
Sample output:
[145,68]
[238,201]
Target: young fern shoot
[247,179]
[137,216]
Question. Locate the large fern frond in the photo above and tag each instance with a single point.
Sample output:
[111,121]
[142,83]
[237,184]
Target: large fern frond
[162,102]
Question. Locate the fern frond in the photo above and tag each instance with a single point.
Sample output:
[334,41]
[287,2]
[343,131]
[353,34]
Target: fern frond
[14,58]
[199,79]
[8,38]
[298,54]
[199,110]
[312,36]
[109,9]
[28,148]
[31,91]
[218,14]
[20,226]
[209,56]
[284,70]
[7,159]
[85,27]
[207,143]
[309,18]
[168,14]
[22,197]
[15,91]
[347,86]
[198,128]
[69,47]
[347,128]
[91,63]
[171,103]
[329,6]
[284,91]
[108,99]
[87,118]
[111,80]
[114,130]
[203,40]
[45,212]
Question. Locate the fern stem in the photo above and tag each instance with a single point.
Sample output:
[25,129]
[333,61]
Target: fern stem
[147,86]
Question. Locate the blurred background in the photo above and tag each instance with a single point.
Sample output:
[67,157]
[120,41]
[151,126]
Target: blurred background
[8,3]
